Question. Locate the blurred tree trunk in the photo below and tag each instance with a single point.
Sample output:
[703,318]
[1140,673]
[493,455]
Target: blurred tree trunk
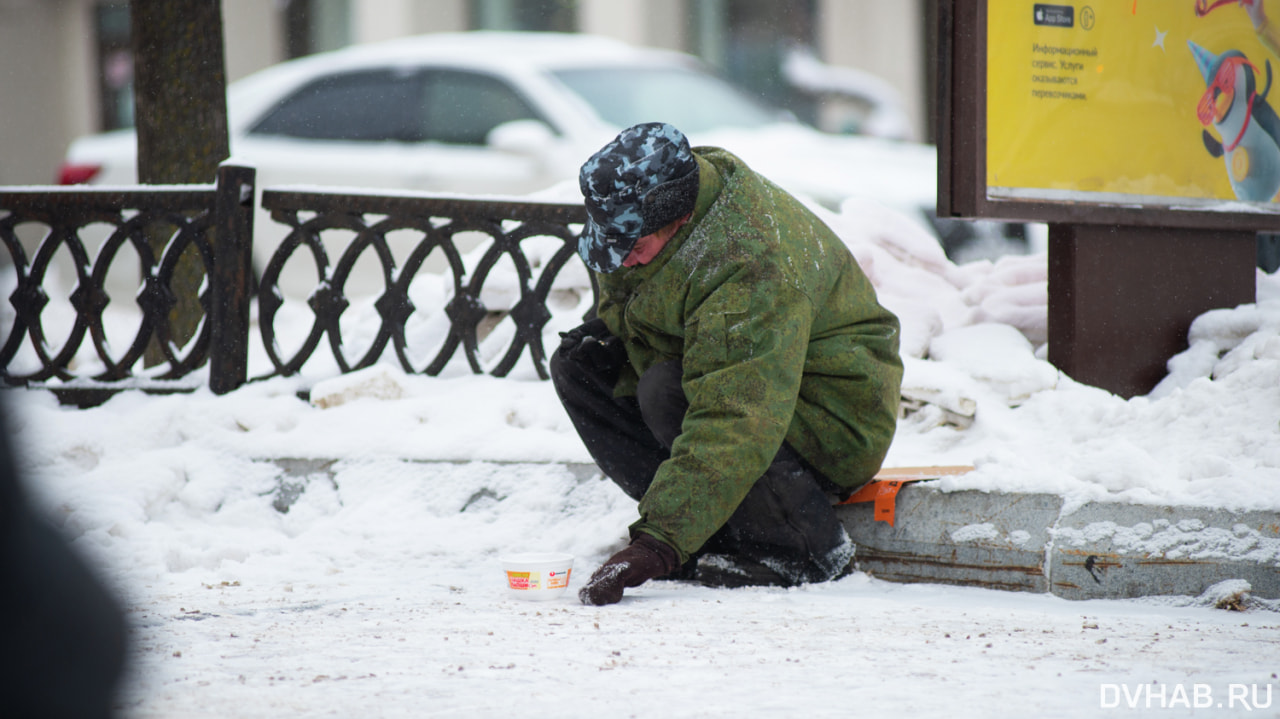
[180,107]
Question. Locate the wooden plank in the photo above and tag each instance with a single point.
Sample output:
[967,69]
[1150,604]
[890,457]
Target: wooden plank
[909,474]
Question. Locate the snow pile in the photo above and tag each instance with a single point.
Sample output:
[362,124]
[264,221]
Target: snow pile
[379,382]
[998,357]
[1224,342]
[1230,594]
[1212,444]
[929,293]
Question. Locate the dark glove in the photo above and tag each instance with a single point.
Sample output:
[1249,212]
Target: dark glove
[594,327]
[595,348]
[645,558]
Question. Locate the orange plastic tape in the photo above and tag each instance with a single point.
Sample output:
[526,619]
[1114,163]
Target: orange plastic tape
[883,488]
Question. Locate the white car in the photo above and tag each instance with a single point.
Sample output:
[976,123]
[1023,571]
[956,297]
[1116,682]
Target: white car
[503,114]
[509,113]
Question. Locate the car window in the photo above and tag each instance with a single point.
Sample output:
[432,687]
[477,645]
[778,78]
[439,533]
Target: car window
[377,105]
[691,100]
[462,107]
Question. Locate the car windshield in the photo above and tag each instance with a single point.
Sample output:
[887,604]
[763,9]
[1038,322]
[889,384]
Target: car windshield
[692,101]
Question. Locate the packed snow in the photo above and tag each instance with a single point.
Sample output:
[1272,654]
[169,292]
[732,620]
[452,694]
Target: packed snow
[340,555]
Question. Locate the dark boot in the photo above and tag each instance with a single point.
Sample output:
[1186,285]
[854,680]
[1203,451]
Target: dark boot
[785,524]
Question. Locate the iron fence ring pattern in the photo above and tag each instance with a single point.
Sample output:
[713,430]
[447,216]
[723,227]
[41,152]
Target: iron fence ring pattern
[530,313]
[156,297]
[215,221]
[271,299]
[396,308]
[438,222]
[18,261]
[29,298]
[91,297]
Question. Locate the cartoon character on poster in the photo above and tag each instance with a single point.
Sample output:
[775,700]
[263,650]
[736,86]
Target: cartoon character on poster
[1235,105]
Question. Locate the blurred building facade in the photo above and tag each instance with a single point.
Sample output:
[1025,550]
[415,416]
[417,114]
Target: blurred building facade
[66,66]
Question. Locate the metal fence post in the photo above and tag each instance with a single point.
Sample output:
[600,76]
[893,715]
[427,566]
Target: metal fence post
[231,282]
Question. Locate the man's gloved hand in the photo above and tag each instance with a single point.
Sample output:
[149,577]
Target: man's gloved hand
[645,558]
[571,340]
[594,347]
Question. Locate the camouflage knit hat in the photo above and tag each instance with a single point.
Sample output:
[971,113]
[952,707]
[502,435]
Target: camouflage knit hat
[642,181]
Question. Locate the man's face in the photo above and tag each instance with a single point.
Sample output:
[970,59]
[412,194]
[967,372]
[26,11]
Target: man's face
[646,249]
[650,245]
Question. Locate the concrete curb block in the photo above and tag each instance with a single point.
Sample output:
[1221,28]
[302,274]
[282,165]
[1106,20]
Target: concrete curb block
[1014,542]
[1025,542]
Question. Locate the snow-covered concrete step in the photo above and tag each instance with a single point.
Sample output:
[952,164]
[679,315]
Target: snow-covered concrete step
[1018,542]
[1032,542]
[1128,550]
[989,540]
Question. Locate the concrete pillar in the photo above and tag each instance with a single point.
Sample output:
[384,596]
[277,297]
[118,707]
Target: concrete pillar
[1121,299]
[439,16]
[374,20]
[49,84]
[78,72]
[622,19]
[253,33]
[669,24]
[884,38]
[653,23]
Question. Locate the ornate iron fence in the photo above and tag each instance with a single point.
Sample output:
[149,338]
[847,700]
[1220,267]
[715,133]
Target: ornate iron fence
[436,223]
[217,220]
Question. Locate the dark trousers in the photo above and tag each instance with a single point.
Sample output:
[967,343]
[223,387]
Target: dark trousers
[785,519]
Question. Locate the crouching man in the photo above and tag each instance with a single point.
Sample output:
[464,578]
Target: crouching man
[740,374]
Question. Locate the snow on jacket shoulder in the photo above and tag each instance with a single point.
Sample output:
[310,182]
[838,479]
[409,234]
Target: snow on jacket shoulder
[781,337]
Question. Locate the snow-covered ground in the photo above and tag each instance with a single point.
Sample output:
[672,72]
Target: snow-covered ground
[379,592]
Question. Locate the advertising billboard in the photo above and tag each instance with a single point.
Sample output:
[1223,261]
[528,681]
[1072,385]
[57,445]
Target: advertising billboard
[1125,104]
[1159,102]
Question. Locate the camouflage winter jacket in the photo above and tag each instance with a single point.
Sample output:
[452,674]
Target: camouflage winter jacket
[781,337]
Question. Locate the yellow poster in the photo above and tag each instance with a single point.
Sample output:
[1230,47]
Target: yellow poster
[1148,102]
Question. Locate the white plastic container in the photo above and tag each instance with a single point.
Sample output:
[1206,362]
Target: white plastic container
[537,575]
